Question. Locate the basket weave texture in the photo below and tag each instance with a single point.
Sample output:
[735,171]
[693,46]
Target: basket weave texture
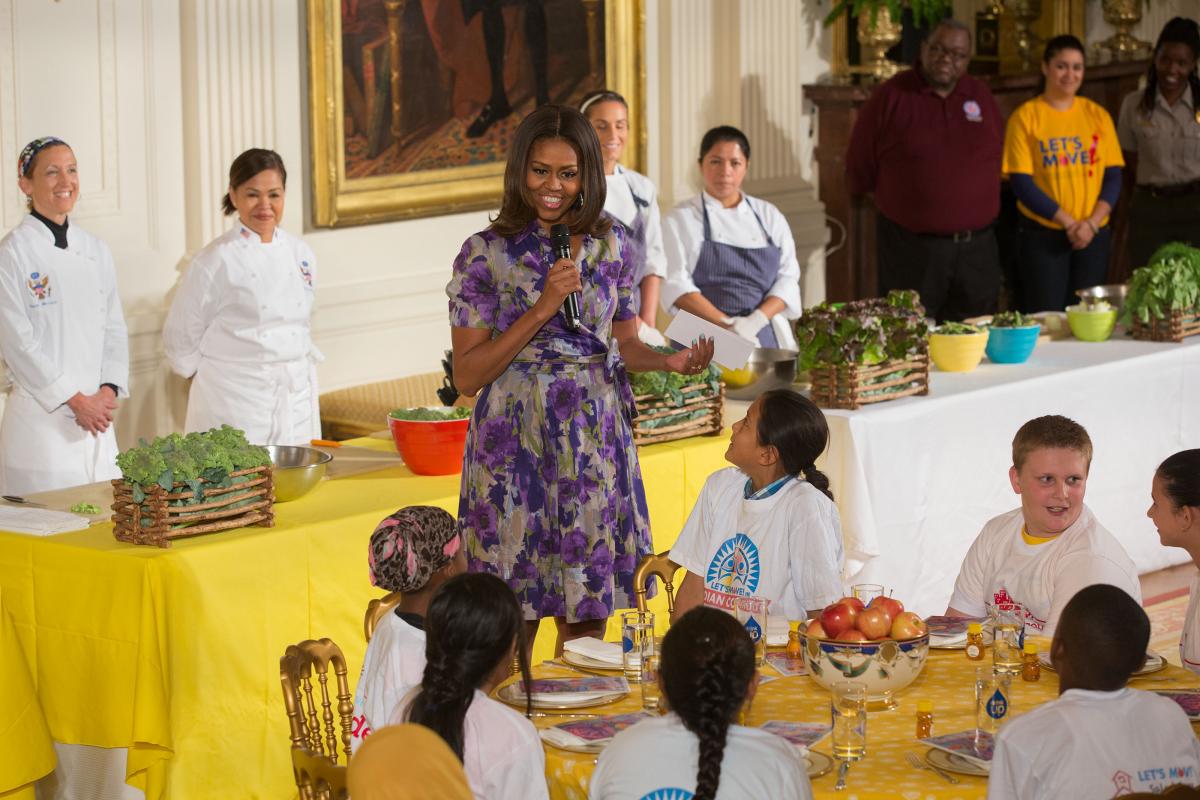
[362,410]
[857,385]
[674,421]
[1174,328]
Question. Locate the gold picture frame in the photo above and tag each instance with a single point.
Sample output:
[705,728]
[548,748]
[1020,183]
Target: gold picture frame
[340,199]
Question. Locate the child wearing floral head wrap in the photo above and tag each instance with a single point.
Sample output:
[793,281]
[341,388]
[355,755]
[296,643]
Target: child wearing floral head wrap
[413,551]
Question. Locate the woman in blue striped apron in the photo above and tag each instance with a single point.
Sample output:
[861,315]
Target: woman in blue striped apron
[633,201]
[730,257]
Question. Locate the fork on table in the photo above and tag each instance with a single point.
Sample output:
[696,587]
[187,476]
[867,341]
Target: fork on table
[921,763]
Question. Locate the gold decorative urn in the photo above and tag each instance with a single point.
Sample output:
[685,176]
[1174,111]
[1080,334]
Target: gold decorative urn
[1123,15]
[878,33]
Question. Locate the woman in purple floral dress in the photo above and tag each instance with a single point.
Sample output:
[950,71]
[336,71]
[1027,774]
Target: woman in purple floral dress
[552,498]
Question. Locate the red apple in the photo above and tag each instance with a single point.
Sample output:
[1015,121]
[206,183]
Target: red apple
[838,617]
[854,601]
[874,622]
[908,625]
[852,635]
[815,630]
[891,605]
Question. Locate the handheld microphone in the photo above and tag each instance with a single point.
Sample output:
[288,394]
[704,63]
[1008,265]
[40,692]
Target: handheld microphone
[560,240]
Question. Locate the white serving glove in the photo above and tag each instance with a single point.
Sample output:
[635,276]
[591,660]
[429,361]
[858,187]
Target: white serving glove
[650,335]
[748,326]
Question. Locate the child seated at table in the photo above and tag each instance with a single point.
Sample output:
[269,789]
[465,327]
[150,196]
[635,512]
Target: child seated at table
[1042,553]
[474,630]
[707,677]
[1100,738]
[413,551]
[766,526]
[1176,514]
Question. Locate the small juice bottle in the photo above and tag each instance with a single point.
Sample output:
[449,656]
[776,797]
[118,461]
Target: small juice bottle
[924,719]
[975,641]
[1031,668]
[794,652]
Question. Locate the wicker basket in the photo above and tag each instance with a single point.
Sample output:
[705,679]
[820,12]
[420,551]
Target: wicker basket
[855,386]
[697,397]
[1175,328]
[362,410]
[155,522]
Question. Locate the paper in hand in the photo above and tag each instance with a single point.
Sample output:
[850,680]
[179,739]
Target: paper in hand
[732,351]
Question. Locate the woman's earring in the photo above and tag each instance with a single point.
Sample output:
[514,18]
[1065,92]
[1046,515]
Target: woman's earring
[579,201]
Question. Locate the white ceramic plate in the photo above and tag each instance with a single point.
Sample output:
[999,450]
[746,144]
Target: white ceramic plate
[583,662]
[1154,663]
[952,763]
[512,695]
[817,764]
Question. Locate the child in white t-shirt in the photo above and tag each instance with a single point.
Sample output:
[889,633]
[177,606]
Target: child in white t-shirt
[696,751]
[768,527]
[474,631]
[1099,738]
[1041,554]
[1175,511]
[413,551]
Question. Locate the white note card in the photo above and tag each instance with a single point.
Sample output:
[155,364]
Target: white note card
[732,351]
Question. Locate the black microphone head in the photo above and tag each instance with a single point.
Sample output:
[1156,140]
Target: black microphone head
[560,232]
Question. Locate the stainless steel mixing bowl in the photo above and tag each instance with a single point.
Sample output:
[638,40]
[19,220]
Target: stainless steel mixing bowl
[768,368]
[297,470]
[1114,293]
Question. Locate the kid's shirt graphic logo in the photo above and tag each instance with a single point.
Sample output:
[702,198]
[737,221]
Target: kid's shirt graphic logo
[668,794]
[735,570]
[973,111]
[1123,782]
[1066,151]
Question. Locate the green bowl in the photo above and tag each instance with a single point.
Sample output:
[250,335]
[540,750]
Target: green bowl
[1091,326]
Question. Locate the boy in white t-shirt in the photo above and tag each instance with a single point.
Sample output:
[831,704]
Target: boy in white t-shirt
[1041,554]
[768,528]
[1099,738]
[413,551]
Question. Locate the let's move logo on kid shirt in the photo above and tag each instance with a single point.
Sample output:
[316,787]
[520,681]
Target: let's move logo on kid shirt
[735,571]
[1067,151]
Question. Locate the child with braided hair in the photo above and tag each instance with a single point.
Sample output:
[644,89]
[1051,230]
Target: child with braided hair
[697,751]
[474,630]
[767,526]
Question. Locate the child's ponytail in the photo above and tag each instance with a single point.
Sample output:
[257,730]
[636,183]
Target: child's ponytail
[796,428]
[818,479]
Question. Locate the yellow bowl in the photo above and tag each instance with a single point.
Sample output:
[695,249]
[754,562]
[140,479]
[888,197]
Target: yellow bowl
[737,378]
[957,352]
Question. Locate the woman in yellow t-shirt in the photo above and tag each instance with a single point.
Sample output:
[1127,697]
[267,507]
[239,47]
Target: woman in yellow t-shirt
[1063,161]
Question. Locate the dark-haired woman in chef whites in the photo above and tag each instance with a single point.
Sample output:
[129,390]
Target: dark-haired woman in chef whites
[730,257]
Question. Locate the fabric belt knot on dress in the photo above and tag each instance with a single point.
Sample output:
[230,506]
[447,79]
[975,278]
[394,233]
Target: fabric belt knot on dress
[611,363]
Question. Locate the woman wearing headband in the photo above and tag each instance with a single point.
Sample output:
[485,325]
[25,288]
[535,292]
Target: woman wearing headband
[62,335]
[633,201]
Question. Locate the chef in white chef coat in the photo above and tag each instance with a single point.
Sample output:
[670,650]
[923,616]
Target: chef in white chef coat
[62,336]
[239,324]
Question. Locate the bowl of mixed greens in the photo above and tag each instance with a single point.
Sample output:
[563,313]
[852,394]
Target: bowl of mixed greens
[1011,337]
[957,346]
[430,439]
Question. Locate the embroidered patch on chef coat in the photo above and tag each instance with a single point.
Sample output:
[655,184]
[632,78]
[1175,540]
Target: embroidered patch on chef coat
[973,111]
[306,273]
[39,287]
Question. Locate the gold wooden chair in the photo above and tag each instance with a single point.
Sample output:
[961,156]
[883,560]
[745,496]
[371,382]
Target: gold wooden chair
[376,609]
[318,734]
[317,777]
[662,566]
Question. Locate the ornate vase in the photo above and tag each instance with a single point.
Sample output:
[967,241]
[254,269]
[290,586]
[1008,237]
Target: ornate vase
[1123,15]
[1025,13]
[876,39]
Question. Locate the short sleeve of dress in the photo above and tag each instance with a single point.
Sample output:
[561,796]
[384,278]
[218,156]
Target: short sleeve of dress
[474,299]
[626,275]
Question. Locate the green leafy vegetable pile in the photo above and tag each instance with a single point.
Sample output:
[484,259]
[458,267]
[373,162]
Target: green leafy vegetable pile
[1170,282]
[430,414]
[197,459]
[86,508]
[958,329]
[863,331]
[1012,319]
[670,385]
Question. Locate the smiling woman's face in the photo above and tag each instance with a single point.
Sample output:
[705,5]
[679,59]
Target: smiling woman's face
[259,202]
[52,184]
[552,180]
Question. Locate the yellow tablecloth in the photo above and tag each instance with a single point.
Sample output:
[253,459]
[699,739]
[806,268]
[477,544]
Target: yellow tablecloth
[174,654]
[885,773]
[26,752]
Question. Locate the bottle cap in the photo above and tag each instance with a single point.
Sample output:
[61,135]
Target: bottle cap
[1031,648]
[925,706]
[974,627]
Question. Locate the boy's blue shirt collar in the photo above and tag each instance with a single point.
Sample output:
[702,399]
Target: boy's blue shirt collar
[766,491]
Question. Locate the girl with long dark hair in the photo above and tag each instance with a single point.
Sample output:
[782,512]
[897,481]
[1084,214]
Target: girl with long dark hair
[766,526]
[473,632]
[551,498]
[1175,510]
[697,750]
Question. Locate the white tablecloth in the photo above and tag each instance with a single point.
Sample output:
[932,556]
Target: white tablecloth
[915,479]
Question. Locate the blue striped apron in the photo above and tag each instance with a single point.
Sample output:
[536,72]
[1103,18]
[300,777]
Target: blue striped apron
[637,245]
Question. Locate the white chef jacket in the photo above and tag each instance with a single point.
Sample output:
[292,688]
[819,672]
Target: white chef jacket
[239,326]
[619,203]
[62,331]
[683,234]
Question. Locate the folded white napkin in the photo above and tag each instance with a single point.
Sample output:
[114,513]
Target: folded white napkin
[596,649]
[572,698]
[560,738]
[40,521]
[948,641]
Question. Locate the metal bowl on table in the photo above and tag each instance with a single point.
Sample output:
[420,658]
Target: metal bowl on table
[1113,293]
[768,368]
[297,470]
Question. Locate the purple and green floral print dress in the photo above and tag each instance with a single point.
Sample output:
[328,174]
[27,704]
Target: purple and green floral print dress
[551,497]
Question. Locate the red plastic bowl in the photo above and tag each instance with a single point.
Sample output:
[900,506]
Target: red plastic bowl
[433,447]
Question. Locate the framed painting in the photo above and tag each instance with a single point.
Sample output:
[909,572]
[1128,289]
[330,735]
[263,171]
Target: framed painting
[413,103]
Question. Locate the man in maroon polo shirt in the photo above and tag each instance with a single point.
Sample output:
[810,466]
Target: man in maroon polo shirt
[927,144]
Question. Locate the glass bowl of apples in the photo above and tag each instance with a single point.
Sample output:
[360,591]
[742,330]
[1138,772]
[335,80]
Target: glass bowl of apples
[880,646]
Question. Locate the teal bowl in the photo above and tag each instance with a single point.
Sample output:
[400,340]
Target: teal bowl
[1012,345]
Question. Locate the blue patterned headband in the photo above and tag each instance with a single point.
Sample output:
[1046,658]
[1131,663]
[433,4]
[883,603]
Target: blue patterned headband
[25,160]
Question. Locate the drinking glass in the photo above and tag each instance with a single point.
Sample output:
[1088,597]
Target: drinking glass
[991,699]
[866,592]
[650,691]
[848,707]
[752,613]
[1008,642]
[636,628]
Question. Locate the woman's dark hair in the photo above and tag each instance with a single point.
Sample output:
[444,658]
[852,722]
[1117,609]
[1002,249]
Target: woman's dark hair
[1180,475]
[1179,30]
[707,666]
[246,166]
[1055,46]
[472,624]
[724,133]
[600,96]
[796,428]
[555,122]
